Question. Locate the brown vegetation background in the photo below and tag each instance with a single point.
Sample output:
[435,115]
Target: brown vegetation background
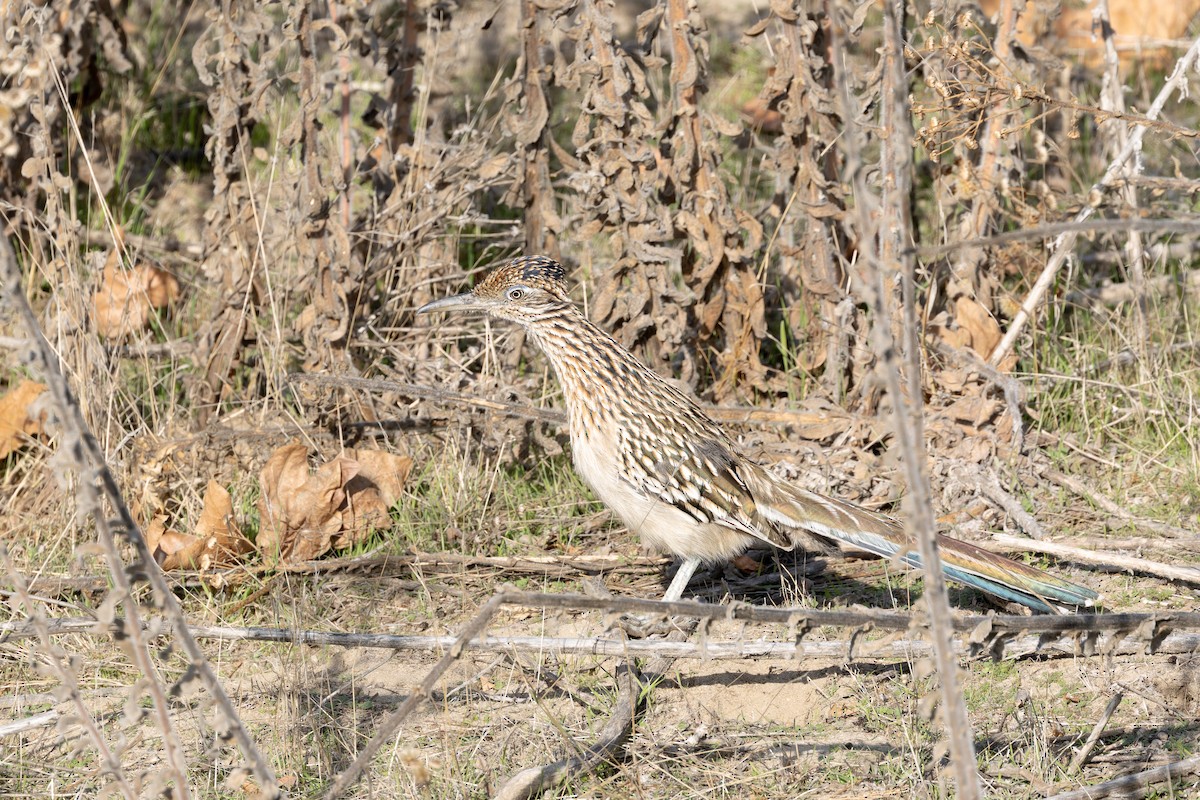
[225,216]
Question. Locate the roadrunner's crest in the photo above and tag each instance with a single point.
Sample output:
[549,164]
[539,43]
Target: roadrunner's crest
[532,272]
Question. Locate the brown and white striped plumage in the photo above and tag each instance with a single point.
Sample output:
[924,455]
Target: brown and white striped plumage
[672,475]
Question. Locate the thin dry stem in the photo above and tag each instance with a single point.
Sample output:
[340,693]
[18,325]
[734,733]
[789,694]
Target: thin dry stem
[996,637]
[894,223]
[423,692]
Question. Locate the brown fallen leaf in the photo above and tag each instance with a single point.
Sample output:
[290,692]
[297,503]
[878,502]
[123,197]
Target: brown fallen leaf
[217,541]
[21,415]
[983,330]
[217,523]
[370,494]
[303,514]
[170,548]
[299,510]
[122,303]
[973,411]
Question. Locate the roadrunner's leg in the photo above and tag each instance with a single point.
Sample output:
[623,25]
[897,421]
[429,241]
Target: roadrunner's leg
[686,570]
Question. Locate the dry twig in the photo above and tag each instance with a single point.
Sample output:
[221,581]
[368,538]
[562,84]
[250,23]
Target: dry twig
[995,626]
[993,640]
[423,692]
[1135,785]
[1113,561]
[1077,486]
[888,223]
[533,781]
[1085,751]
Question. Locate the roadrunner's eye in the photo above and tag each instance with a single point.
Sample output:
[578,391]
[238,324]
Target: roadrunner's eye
[516,294]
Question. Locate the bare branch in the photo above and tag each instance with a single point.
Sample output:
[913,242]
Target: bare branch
[1134,785]
[1065,243]
[1085,751]
[887,222]
[392,723]
[1113,561]
[802,619]
[533,781]
[1000,642]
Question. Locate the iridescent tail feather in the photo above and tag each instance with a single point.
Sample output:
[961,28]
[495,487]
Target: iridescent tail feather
[791,508]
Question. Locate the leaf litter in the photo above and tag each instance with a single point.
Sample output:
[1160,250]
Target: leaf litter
[22,415]
[125,298]
[303,513]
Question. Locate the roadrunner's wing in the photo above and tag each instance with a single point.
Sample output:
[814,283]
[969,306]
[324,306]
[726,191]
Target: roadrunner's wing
[699,475]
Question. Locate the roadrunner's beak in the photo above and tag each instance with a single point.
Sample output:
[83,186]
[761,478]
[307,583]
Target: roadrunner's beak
[467,301]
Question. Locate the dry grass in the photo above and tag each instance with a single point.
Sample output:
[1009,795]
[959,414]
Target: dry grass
[306,196]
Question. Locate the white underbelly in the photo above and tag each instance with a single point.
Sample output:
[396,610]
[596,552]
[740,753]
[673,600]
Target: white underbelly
[662,526]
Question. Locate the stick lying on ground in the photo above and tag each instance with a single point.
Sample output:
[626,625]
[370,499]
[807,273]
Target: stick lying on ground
[998,643]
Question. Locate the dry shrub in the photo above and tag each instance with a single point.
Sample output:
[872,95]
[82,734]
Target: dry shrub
[688,164]
[364,163]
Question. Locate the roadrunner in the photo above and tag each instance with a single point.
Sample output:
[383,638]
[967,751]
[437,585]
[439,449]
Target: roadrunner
[672,475]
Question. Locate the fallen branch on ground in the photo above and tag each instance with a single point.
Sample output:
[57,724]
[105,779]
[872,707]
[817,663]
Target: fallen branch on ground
[991,635]
[987,635]
[1134,785]
[1085,751]
[1114,561]
[998,636]
[550,566]
[393,721]
[1076,485]
[1100,544]
[856,647]
[533,781]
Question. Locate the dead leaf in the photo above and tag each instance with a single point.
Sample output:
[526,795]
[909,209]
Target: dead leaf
[304,514]
[298,511]
[172,549]
[20,415]
[973,327]
[494,166]
[217,523]
[747,565]
[982,327]
[972,410]
[124,298]
[370,493]
[216,542]
[983,330]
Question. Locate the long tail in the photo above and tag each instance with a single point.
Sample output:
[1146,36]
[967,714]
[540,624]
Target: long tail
[798,510]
